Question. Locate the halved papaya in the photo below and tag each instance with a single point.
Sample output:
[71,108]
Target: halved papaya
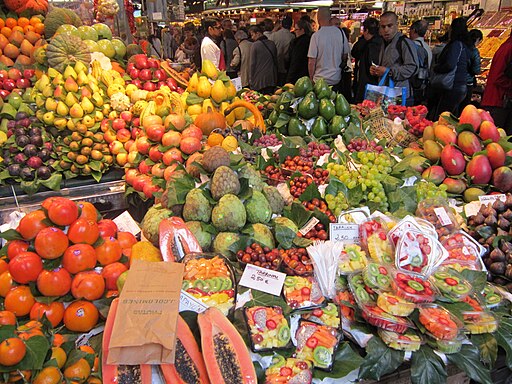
[188,367]
[176,240]
[227,358]
[120,374]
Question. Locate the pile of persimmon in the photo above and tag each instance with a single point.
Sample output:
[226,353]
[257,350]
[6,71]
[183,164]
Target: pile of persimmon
[19,39]
[63,253]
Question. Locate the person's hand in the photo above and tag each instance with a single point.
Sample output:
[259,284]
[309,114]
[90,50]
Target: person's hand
[377,70]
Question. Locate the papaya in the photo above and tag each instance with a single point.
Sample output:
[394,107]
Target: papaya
[228,359]
[189,365]
[296,127]
[120,373]
[308,107]
[176,240]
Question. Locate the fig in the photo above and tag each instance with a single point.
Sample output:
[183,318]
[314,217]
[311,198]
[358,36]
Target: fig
[491,220]
[500,281]
[478,219]
[21,115]
[506,247]
[508,202]
[20,158]
[44,172]
[497,255]
[44,154]
[27,174]
[490,240]
[499,206]
[508,272]
[22,141]
[503,223]
[507,214]
[501,232]
[18,131]
[498,268]
[14,169]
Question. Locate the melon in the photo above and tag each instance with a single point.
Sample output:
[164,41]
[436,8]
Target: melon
[119,47]
[92,45]
[87,33]
[106,47]
[103,31]
[64,50]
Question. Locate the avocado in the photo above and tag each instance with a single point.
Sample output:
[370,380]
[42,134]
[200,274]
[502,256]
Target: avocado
[273,116]
[296,127]
[322,89]
[284,101]
[326,109]
[303,86]
[308,107]
[337,125]
[319,127]
[342,105]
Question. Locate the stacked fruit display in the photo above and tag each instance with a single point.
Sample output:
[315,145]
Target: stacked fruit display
[14,80]
[19,39]
[146,73]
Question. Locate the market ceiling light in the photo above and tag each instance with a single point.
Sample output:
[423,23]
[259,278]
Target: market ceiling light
[378,4]
[314,3]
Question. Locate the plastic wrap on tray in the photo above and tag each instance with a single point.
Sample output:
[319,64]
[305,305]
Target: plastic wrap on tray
[409,341]
[377,277]
[379,318]
[352,259]
[317,343]
[394,304]
[409,222]
[290,370]
[477,322]
[437,212]
[451,284]
[439,322]
[416,252]
[461,246]
[413,287]
[268,328]
[492,296]
[302,292]
[363,294]
[374,240]
[447,346]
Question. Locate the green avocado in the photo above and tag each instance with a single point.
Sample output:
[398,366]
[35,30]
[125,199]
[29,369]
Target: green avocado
[303,86]
[319,127]
[337,125]
[296,127]
[342,105]
[322,89]
[326,109]
[308,107]
[273,116]
[284,101]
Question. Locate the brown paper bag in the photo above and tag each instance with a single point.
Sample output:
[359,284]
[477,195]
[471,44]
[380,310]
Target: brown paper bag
[144,330]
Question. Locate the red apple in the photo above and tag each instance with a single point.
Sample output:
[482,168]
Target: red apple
[23,83]
[172,155]
[137,83]
[149,86]
[128,144]
[141,61]
[118,124]
[140,181]
[153,63]
[149,189]
[130,174]
[145,75]
[29,73]
[14,74]
[135,132]
[172,84]
[123,135]
[134,73]
[105,125]
[143,145]
[144,167]
[9,84]
[116,147]
[127,116]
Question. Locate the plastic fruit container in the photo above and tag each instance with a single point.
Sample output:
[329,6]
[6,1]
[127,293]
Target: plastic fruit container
[296,262]
[302,292]
[373,236]
[362,293]
[461,246]
[210,278]
[447,346]
[409,222]
[377,277]
[439,322]
[460,265]
[416,252]
[395,305]
[268,328]
[317,343]
[352,259]
[289,370]
[376,316]
[345,300]
[409,341]
[412,287]
[492,296]
[328,315]
[477,322]
[451,284]
[437,212]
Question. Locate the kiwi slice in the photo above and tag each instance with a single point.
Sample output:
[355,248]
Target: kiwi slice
[330,309]
[283,334]
[444,287]
[322,356]
[416,261]
[383,281]
[226,283]
[358,280]
[441,275]
[290,281]
[373,269]
[202,285]
[492,298]
[185,285]
[362,294]
[461,289]
[278,361]
[415,285]
[215,284]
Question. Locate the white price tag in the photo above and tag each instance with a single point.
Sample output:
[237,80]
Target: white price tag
[237,82]
[443,217]
[346,233]
[309,225]
[261,279]
[489,199]
[190,303]
[126,223]
[471,209]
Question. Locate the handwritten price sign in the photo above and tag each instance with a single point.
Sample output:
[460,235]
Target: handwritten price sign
[346,233]
[262,279]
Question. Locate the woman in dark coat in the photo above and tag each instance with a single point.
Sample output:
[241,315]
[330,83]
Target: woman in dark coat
[299,52]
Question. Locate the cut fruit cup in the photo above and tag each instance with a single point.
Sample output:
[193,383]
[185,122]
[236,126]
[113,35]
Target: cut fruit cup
[302,292]
[416,252]
[461,246]
[409,341]
[377,276]
[379,318]
[317,343]
[210,278]
[396,232]
[375,242]
[447,346]
[345,299]
[328,315]
[395,305]
[363,294]
[460,265]
[451,284]
[439,322]
[492,296]
[284,370]
[352,259]
[268,328]
[477,322]
[412,287]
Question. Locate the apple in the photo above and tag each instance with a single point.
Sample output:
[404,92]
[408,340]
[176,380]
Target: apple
[29,73]
[143,145]
[144,168]
[14,74]
[23,83]
[3,74]
[149,189]
[171,139]
[123,135]
[141,61]
[9,84]
[155,154]
[4,93]
[140,181]
[127,116]
[135,132]
[160,84]
[155,132]
[118,124]
[172,155]
[137,83]
[129,144]
[133,156]
[171,83]
[130,174]
[134,73]
[130,66]
[111,273]
[116,147]
[157,170]
[105,125]
[149,86]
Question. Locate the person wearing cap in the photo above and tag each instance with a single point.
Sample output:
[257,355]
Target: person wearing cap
[242,56]
[283,39]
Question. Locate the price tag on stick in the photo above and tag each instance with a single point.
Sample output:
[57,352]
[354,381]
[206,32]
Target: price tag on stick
[262,279]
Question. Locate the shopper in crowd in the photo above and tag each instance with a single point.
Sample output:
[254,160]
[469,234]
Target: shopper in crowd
[227,46]
[335,22]
[227,24]
[452,70]
[263,68]
[155,46]
[268,27]
[299,51]
[191,45]
[497,96]
[328,51]
[283,39]
[417,32]
[242,56]
[346,74]
[397,56]
[242,26]
[209,48]
[474,68]
[438,48]
[366,51]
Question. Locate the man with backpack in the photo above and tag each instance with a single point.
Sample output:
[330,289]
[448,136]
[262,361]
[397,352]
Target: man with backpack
[419,82]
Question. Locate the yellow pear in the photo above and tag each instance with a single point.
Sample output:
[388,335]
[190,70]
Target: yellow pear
[209,69]
[47,91]
[70,99]
[48,118]
[219,92]
[85,91]
[71,125]
[82,78]
[76,111]
[92,79]
[192,83]
[50,104]
[120,81]
[62,109]
[204,87]
[106,109]
[70,72]
[86,105]
[88,121]
[231,90]
[52,72]
[70,85]
[60,123]
[40,101]
[97,99]
[80,67]
[98,116]
[207,103]
[57,80]
[42,82]
[40,114]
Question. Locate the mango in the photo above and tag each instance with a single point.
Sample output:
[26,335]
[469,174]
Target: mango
[471,194]
[445,135]
[479,170]
[456,186]
[452,160]
[428,133]
[434,174]
[432,150]
[502,179]
[488,131]
[469,143]
[470,115]
[496,155]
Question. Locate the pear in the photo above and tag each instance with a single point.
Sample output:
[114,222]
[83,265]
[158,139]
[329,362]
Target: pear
[39,114]
[62,109]
[50,104]
[71,125]
[70,85]
[59,92]
[209,69]
[86,105]
[82,78]
[70,99]
[88,121]
[231,90]
[42,82]
[98,116]
[40,100]
[204,87]
[47,91]
[70,72]
[219,93]
[60,123]
[97,99]
[94,87]
[58,80]
[76,111]
[80,67]
[52,72]
[48,118]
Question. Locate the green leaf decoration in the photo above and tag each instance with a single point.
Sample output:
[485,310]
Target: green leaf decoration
[53,182]
[284,236]
[298,214]
[456,309]
[355,195]
[503,336]
[335,186]
[11,234]
[37,348]
[311,192]
[287,151]
[351,132]
[468,360]
[427,367]
[346,360]
[178,189]
[477,279]
[380,360]
[464,127]
[488,347]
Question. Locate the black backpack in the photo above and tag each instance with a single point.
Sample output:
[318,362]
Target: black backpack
[420,78]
